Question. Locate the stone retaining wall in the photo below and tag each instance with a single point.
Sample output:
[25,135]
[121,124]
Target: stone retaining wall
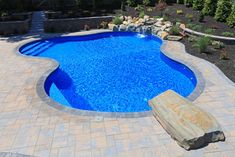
[14,27]
[74,24]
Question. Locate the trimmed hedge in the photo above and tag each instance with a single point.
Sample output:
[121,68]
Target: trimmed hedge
[198,4]
[231,18]
[223,10]
[209,7]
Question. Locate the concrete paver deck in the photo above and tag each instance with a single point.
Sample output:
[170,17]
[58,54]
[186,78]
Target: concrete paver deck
[30,126]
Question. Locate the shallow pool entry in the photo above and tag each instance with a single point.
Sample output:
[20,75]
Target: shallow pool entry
[110,72]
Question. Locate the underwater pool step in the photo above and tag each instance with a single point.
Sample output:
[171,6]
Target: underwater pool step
[188,124]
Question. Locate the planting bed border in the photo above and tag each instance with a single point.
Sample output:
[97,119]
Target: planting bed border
[215,37]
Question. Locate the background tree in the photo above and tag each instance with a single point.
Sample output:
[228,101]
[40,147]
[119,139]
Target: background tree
[231,18]
[198,4]
[223,10]
[209,7]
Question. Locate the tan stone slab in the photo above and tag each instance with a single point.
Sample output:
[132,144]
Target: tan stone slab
[189,125]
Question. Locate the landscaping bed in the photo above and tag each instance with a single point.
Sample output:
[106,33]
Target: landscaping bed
[214,56]
[188,16]
[13,24]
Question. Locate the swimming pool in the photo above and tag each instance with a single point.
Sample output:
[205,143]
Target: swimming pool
[110,72]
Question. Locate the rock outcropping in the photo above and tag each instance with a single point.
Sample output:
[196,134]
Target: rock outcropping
[189,125]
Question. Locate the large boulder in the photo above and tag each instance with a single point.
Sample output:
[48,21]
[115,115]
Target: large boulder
[188,124]
[155,30]
[113,27]
[147,30]
[122,28]
[131,28]
[164,35]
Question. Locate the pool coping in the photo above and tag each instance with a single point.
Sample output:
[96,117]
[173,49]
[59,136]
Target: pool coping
[49,101]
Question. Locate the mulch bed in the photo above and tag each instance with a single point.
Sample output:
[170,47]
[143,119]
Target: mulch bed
[209,22]
[213,56]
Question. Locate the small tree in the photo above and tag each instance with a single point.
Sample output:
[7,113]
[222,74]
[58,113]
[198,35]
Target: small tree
[202,43]
[231,18]
[161,5]
[223,10]
[198,4]
[209,7]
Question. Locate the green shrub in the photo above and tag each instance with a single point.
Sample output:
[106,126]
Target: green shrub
[201,17]
[198,4]
[217,44]
[141,14]
[209,7]
[149,9]
[197,28]
[189,17]
[174,30]
[231,18]
[146,2]
[227,34]
[192,39]
[223,10]
[117,20]
[209,31]
[165,18]
[131,3]
[139,8]
[202,44]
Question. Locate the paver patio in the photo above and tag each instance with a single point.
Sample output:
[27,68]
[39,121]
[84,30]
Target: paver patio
[30,126]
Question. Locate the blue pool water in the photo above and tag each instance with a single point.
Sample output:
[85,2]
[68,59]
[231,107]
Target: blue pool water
[110,72]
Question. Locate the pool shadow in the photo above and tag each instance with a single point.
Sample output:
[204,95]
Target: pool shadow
[65,85]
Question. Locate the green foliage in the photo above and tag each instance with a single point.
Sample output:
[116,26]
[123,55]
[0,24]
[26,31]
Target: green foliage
[202,44]
[131,3]
[117,20]
[227,34]
[174,30]
[223,10]
[209,7]
[142,14]
[189,17]
[231,18]
[139,7]
[217,44]
[201,17]
[146,2]
[192,38]
[209,31]
[198,4]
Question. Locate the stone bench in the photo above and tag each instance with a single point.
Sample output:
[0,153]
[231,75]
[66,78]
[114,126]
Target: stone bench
[189,125]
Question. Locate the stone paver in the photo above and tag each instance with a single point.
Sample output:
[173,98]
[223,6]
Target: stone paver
[32,127]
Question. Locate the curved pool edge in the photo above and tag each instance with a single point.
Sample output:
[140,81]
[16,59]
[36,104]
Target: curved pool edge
[49,101]
[200,79]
